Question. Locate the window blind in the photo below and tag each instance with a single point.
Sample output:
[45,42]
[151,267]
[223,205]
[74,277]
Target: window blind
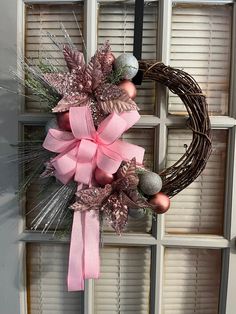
[198,208]
[41,19]
[145,138]
[46,278]
[200,45]
[116,23]
[125,281]
[191,281]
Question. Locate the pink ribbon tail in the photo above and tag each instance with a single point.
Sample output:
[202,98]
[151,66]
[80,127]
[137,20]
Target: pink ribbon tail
[75,279]
[91,245]
[84,261]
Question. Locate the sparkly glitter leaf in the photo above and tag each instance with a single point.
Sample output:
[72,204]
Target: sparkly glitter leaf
[116,211]
[71,101]
[127,168]
[59,81]
[133,199]
[111,98]
[108,91]
[93,74]
[91,198]
[74,58]
[123,103]
[103,55]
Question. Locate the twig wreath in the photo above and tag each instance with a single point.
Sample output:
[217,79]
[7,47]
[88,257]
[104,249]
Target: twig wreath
[192,163]
[97,175]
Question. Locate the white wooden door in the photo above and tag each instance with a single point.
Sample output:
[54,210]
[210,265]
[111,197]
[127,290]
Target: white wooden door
[184,261]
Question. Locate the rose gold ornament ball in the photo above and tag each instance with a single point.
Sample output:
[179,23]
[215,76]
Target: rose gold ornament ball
[161,202]
[63,121]
[129,87]
[103,177]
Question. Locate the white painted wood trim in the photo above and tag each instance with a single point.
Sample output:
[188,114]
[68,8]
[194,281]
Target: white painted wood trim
[51,1]
[159,278]
[231,209]
[228,283]
[127,239]
[89,296]
[91,8]
[165,13]
[196,241]
[214,2]
[233,68]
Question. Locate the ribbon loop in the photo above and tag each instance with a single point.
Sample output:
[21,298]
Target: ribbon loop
[86,154]
[111,129]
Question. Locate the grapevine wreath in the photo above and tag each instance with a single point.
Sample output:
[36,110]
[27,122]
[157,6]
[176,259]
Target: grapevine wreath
[97,174]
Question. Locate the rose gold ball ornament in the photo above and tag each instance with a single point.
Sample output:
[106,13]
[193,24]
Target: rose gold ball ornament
[129,88]
[161,203]
[103,177]
[63,121]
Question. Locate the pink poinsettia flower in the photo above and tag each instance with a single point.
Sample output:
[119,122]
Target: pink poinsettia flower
[87,83]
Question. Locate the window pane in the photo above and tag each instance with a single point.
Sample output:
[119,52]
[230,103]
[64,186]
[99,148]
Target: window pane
[41,19]
[124,285]
[47,283]
[200,45]
[191,281]
[116,23]
[198,208]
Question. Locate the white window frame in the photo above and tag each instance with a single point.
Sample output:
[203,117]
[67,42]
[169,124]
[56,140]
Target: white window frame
[158,241]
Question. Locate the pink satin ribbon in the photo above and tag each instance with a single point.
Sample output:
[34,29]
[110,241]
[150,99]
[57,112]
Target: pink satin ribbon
[80,152]
[84,261]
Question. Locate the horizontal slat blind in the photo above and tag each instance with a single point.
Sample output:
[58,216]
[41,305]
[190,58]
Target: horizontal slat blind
[43,18]
[200,45]
[191,281]
[198,208]
[144,138]
[125,281]
[116,23]
[47,284]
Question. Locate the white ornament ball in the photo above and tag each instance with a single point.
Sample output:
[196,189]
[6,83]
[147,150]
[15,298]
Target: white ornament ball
[150,183]
[129,65]
[137,213]
[52,124]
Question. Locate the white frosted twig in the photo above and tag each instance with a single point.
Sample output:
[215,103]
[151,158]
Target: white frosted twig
[81,35]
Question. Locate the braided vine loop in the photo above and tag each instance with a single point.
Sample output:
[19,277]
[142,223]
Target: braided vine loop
[178,176]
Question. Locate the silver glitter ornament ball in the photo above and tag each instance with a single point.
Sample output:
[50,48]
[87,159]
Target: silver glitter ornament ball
[52,124]
[150,183]
[129,65]
[137,213]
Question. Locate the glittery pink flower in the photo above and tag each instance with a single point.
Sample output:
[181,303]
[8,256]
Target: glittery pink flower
[86,84]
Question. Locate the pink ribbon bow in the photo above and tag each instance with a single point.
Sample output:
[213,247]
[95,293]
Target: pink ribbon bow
[80,151]
[85,148]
